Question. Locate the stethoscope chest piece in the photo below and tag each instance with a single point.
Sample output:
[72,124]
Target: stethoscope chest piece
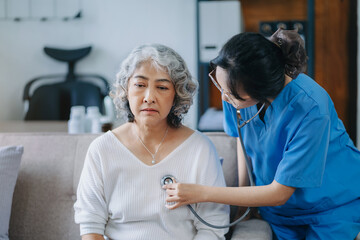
[167,179]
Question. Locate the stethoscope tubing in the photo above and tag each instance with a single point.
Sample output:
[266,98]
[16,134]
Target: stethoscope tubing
[247,159]
[248,168]
[215,226]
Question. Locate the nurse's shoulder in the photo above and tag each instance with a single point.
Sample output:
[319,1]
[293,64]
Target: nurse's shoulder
[313,95]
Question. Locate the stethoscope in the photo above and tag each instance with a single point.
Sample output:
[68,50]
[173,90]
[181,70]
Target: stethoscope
[169,179]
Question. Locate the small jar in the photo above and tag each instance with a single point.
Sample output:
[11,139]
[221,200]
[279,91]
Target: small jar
[93,124]
[76,123]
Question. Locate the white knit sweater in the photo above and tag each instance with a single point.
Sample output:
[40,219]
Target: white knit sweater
[120,197]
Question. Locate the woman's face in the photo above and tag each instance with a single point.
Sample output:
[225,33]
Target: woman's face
[222,79]
[151,94]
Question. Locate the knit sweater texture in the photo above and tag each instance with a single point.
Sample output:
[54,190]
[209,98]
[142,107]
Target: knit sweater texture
[120,197]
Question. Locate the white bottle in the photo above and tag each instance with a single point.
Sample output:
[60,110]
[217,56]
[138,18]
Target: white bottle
[93,116]
[76,123]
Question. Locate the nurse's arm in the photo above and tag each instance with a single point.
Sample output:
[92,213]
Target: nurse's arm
[92,236]
[274,194]
[242,171]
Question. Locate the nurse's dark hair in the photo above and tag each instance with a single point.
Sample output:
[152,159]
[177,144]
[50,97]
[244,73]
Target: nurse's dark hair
[259,65]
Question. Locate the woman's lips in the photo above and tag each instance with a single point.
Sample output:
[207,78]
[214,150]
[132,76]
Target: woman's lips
[149,110]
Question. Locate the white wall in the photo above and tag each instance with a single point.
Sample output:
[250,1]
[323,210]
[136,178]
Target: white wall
[113,27]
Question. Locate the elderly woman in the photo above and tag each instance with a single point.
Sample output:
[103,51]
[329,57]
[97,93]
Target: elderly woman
[119,195]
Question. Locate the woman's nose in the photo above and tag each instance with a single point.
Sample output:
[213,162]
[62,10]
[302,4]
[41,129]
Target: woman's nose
[149,96]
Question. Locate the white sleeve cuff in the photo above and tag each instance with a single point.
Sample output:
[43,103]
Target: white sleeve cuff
[92,228]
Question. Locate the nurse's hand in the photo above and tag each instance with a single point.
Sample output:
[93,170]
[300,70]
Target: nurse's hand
[183,194]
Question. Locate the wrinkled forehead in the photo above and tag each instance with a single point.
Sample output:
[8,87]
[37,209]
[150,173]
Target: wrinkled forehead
[148,70]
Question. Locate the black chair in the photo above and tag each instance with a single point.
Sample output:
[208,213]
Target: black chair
[53,95]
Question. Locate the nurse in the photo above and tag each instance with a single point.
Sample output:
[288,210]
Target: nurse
[305,166]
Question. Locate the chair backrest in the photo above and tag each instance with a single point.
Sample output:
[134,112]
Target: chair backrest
[53,102]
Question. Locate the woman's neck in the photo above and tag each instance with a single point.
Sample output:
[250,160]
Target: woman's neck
[149,132]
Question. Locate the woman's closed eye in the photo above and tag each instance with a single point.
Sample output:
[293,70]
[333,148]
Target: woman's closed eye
[139,85]
[142,85]
[163,88]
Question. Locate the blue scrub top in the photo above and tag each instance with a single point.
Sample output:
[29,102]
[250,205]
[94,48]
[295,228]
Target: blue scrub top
[301,143]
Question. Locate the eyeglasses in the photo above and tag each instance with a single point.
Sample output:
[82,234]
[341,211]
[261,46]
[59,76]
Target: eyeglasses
[228,97]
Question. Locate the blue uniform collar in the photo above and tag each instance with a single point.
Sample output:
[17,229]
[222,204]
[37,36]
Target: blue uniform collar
[281,100]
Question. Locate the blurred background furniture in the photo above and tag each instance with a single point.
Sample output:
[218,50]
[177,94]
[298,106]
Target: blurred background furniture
[50,97]
[33,126]
[332,50]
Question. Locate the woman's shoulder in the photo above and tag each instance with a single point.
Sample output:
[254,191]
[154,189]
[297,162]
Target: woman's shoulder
[101,141]
[312,96]
[194,137]
[203,139]
[206,150]
[312,89]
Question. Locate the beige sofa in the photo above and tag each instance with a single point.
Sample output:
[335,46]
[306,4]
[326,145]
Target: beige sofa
[49,173]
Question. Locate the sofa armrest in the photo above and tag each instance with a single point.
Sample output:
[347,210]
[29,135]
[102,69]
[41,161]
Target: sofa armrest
[254,229]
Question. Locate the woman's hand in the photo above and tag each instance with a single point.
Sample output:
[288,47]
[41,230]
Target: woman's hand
[183,194]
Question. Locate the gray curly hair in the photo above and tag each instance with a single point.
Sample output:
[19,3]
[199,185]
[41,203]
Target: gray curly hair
[162,58]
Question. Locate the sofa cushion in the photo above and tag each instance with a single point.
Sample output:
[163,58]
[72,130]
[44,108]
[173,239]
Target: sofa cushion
[43,197]
[255,229]
[226,147]
[10,158]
